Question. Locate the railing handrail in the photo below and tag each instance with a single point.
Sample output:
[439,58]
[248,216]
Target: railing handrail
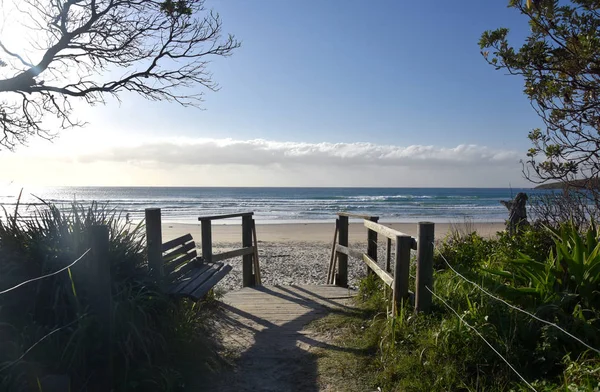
[360,216]
[388,232]
[225,216]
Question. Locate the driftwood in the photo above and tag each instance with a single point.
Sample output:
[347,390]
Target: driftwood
[517,213]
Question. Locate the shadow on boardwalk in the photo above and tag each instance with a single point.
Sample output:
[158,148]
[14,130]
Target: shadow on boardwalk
[264,328]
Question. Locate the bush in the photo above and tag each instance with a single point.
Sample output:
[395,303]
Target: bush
[151,330]
[549,273]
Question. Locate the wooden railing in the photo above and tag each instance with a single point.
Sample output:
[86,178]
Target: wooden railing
[249,250]
[404,243]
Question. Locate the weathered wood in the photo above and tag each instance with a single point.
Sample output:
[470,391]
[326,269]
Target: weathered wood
[209,283]
[372,241]
[206,238]
[342,275]
[99,296]
[373,266]
[170,256]
[388,255]
[182,268]
[388,232]
[258,279]
[349,251]
[247,276]
[331,269]
[401,271]
[183,258]
[154,242]
[185,279]
[359,216]
[424,278]
[233,253]
[225,216]
[176,242]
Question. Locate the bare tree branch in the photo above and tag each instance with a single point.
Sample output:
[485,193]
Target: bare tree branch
[160,48]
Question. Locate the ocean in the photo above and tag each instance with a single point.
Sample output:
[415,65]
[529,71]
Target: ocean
[281,205]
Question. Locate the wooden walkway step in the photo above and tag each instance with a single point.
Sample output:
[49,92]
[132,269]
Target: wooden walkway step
[265,327]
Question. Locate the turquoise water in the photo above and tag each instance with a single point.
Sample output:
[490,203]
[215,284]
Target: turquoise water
[279,205]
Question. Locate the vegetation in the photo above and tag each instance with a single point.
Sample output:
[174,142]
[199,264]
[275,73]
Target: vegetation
[560,66]
[154,335]
[92,49]
[552,274]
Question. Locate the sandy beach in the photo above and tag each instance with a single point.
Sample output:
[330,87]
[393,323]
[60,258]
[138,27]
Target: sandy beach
[313,232]
[300,253]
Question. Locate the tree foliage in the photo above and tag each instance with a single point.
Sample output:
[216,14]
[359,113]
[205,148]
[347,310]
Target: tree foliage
[90,49]
[560,64]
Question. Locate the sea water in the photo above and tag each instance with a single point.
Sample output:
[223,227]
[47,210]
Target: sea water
[280,205]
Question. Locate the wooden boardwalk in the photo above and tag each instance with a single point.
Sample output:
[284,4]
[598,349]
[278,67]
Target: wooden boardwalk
[265,327]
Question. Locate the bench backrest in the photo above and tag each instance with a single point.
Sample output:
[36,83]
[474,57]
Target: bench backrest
[179,255]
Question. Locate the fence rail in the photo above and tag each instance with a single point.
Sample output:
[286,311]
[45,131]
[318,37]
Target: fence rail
[403,243]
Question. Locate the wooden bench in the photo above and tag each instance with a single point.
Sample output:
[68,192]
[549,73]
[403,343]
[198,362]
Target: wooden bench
[186,274]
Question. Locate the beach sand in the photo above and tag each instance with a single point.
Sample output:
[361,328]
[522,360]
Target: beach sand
[313,232]
[299,253]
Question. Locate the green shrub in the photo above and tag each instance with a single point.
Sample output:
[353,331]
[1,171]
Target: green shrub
[151,330]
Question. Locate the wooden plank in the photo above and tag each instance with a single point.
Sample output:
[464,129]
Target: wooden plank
[342,275]
[384,230]
[349,252]
[176,242]
[388,255]
[387,278]
[331,268]
[372,241]
[256,260]
[225,216]
[211,282]
[350,215]
[182,269]
[173,264]
[247,276]
[187,278]
[154,243]
[206,240]
[401,271]
[233,253]
[424,267]
[179,251]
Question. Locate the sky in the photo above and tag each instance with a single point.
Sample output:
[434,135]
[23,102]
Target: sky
[321,93]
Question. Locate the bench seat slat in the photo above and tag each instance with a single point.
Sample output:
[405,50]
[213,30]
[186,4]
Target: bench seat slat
[182,269]
[185,258]
[187,278]
[201,290]
[176,242]
[177,252]
[198,280]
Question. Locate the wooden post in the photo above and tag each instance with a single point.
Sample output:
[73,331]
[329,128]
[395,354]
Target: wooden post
[331,269]
[388,255]
[372,243]
[342,275]
[424,267]
[206,227]
[154,243]
[99,296]
[401,271]
[247,277]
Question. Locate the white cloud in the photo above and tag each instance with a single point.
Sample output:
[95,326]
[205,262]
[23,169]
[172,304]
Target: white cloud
[273,153]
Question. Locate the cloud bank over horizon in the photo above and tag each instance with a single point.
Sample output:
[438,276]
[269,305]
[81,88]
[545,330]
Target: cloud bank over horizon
[258,162]
[260,152]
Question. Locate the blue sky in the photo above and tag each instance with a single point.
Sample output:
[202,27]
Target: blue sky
[393,74]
